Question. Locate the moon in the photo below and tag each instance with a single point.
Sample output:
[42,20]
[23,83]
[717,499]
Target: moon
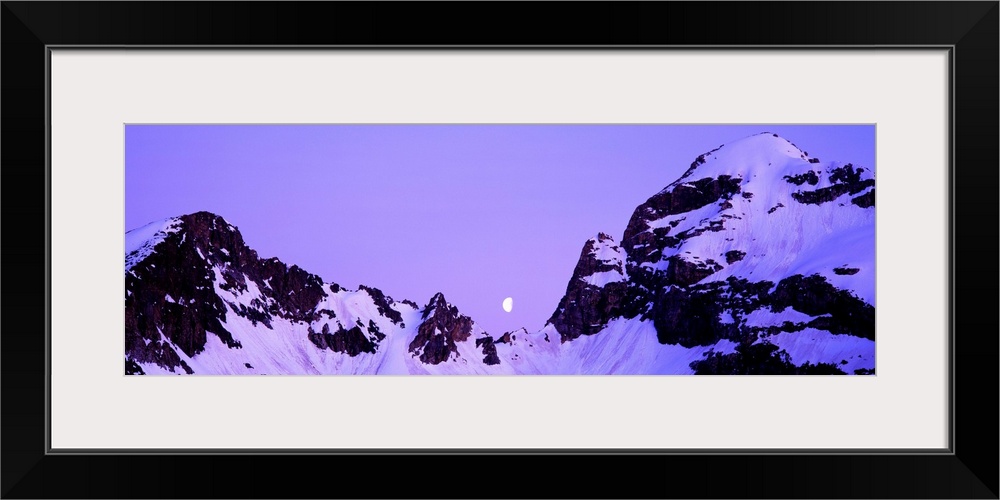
[508,304]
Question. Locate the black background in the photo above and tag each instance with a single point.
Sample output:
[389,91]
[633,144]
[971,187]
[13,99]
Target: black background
[971,472]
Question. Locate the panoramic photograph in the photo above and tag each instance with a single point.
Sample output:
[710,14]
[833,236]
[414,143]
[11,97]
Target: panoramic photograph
[469,249]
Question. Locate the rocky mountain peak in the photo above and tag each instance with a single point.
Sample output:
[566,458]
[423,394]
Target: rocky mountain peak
[438,305]
[764,150]
[172,270]
[698,225]
[443,327]
[595,292]
[745,218]
[600,255]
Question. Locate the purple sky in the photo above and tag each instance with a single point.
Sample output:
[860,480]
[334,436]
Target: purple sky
[478,212]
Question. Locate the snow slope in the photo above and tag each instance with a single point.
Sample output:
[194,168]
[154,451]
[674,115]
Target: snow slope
[141,241]
[794,238]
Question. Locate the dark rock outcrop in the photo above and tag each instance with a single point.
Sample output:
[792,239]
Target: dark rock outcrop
[171,301]
[133,368]
[814,295]
[586,308]
[761,358]
[693,315]
[845,179]
[440,331]
[734,256]
[866,200]
[686,272]
[352,341]
[489,350]
[646,245]
[677,198]
[382,303]
[800,179]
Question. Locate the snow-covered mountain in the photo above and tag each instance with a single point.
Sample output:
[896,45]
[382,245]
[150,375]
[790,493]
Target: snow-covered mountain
[759,259]
[763,247]
[198,300]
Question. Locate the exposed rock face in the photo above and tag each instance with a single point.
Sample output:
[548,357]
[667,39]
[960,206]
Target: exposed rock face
[815,296]
[595,292]
[761,358]
[866,200]
[843,180]
[489,350]
[694,315]
[687,272]
[800,179]
[382,303]
[845,270]
[645,244]
[171,302]
[489,346]
[442,328]
[133,368]
[734,256]
[652,237]
[352,341]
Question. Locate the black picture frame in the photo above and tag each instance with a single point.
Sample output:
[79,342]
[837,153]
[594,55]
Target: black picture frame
[969,31]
